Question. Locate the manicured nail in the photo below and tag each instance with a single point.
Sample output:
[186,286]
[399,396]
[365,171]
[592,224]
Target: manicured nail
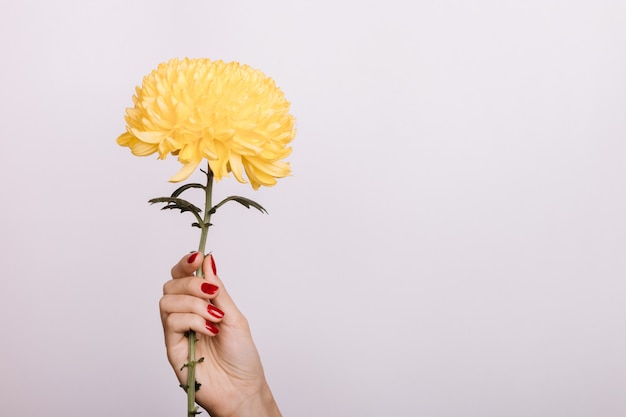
[209,288]
[192,258]
[213,265]
[211,327]
[215,312]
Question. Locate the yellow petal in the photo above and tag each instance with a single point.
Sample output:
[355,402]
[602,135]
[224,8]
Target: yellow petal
[144,149]
[186,171]
[148,137]
[236,167]
[124,139]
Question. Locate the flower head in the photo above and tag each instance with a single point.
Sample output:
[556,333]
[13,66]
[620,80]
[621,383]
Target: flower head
[229,113]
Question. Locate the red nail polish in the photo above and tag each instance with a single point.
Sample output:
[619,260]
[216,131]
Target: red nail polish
[213,266]
[192,258]
[215,312]
[209,288]
[211,327]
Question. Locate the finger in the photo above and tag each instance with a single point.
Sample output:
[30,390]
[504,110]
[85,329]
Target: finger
[175,304]
[187,265]
[177,324]
[193,286]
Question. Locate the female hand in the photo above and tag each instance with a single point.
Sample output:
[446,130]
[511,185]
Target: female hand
[232,378]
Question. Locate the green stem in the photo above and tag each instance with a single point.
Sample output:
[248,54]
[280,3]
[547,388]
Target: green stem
[208,205]
[191,376]
[192,410]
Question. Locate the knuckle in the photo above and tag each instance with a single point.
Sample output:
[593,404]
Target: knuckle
[162,304]
[166,287]
[169,321]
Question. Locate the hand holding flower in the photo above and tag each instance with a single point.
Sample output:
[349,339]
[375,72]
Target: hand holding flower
[231,369]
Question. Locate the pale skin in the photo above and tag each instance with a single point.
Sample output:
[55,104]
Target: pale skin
[232,377]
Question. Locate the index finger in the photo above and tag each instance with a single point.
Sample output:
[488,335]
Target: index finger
[187,265]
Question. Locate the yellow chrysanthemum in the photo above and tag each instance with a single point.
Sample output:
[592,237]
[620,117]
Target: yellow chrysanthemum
[229,113]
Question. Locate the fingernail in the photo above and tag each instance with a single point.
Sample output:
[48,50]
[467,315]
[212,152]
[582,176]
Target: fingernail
[213,265]
[209,288]
[215,312]
[192,258]
[211,327]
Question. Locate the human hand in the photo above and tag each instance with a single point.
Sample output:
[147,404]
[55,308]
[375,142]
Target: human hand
[232,377]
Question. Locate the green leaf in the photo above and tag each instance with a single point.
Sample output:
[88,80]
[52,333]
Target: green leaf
[175,203]
[180,190]
[246,202]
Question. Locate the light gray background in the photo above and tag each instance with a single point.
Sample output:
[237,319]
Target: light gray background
[451,242]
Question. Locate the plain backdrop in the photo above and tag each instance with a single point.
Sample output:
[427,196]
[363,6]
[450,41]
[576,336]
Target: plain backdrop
[451,243]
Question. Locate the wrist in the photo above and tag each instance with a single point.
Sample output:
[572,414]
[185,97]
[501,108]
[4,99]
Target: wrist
[261,404]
